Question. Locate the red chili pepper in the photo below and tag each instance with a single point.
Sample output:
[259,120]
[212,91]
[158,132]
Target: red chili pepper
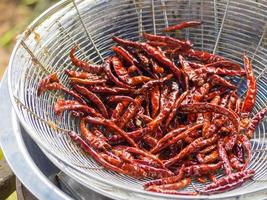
[228,182]
[208,107]
[230,141]
[208,129]
[173,186]
[142,153]
[150,140]
[152,83]
[176,105]
[213,156]
[183,25]
[96,142]
[243,139]
[79,141]
[194,77]
[92,97]
[202,56]
[110,90]
[169,40]
[87,81]
[155,103]
[250,98]
[154,172]
[191,148]
[117,112]
[109,124]
[119,98]
[208,149]
[167,109]
[45,81]
[203,169]
[154,53]
[81,75]
[254,122]
[220,71]
[125,54]
[115,80]
[131,111]
[84,65]
[62,105]
[224,64]
[223,156]
[235,163]
[168,180]
[156,68]
[217,80]
[180,134]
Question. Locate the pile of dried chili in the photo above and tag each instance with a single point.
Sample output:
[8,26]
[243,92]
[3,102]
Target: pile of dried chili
[163,110]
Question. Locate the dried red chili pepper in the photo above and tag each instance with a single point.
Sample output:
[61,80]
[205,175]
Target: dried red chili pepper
[154,53]
[84,65]
[62,105]
[192,75]
[224,64]
[172,186]
[213,156]
[131,111]
[110,90]
[208,107]
[119,110]
[156,68]
[169,40]
[219,71]
[119,98]
[152,83]
[87,81]
[254,122]
[230,141]
[228,182]
[155,103]
[92,97]
[115,80]
[167,109]
[243,139]
[180,135]
[250,98]
[169,180]
[217,80]
[183,25]
[202,169]
[96,142]
[208,149]
[111,125]
[98,158]
[125,54]
[235,163]
[191,148]
[176,105]
[223,156]
[45,81]
[202,56]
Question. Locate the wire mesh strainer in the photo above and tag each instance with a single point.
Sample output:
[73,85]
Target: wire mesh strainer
[229,29]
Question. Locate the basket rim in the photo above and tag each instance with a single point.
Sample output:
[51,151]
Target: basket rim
[61,164]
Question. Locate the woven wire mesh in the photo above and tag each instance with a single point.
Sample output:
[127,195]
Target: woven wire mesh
[230,28]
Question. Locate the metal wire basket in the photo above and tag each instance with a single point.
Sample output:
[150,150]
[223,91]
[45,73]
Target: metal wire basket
[229,29]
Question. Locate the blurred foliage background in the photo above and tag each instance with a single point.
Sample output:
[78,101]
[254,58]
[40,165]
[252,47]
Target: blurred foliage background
[15,15]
